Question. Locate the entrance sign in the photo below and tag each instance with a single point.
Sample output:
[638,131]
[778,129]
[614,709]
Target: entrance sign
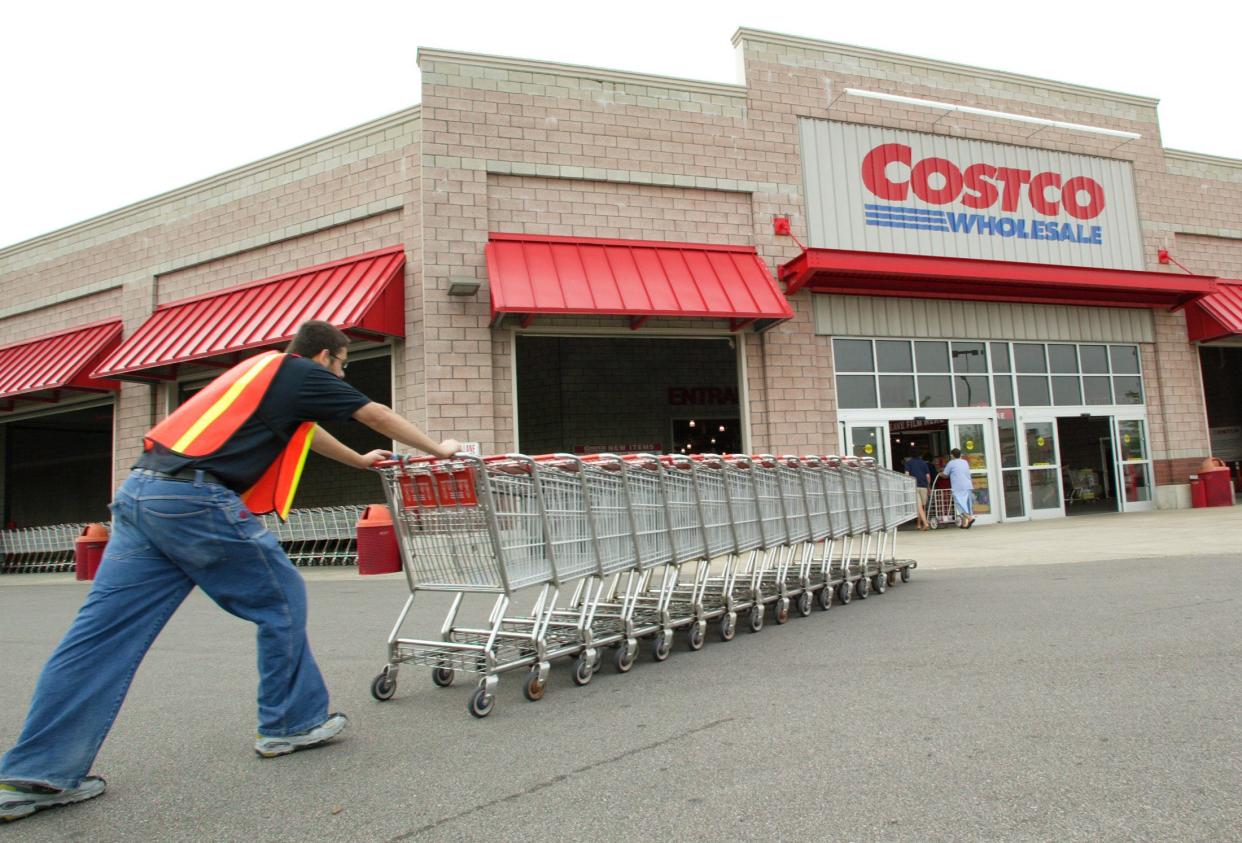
[883,190]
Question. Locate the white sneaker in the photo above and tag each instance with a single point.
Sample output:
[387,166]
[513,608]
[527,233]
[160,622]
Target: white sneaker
[21,799]
[273,747]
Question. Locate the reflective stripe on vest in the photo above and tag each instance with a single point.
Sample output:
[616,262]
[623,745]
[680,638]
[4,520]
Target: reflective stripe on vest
[201,426]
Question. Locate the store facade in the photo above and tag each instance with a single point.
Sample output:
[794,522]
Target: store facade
[580,259]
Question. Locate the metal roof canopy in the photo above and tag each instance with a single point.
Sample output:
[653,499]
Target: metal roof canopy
[38,370]
[363,296]
[920,276]
[531,275]
[1217,316]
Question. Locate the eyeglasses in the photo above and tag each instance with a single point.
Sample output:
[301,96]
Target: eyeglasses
[344,363]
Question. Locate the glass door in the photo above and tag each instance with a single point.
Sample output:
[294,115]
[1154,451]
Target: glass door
[971,438]
[1043,467]
[1133,459]
[868,439]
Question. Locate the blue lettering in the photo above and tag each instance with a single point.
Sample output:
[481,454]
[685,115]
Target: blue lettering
[963,223]
[1005,227]
[1067,233]
[1097,235]
[987,224]
[1022,235]
[1037,229]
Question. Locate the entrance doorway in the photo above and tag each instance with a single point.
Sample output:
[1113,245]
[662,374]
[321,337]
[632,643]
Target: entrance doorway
[1088,467]
[58,467]
[591,394]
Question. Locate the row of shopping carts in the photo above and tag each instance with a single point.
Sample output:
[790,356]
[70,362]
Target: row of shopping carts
[324,535]
[639,546]
[38,550]
[318,536]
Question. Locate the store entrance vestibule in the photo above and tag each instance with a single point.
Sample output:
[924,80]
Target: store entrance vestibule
[1088,467]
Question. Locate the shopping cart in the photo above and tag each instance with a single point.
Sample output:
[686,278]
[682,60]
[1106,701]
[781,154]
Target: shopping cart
[620,530]
[940,508]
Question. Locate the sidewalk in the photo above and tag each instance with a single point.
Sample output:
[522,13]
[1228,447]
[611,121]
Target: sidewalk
[1084,538]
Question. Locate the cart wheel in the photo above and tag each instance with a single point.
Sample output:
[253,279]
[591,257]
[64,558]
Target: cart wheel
[781,613]
[481,702]
[879,583]
[728,627]
[442,676]
[892,578]
[844,592]
[825,597]
[697,636]
[534,687]
[383,687]
[756,617]
[862,588]
[905,574]
[932,524]
[661,646]
[623,660]
[583,671]
[805,603]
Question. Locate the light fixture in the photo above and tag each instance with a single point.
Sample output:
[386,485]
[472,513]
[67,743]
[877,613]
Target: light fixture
[692,422]
[722,428]
[463,286]
[983,112]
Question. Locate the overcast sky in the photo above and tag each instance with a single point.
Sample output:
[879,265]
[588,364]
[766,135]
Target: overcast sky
[105,104]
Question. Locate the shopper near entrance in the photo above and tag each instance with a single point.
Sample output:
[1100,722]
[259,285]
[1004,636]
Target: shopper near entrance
[916,466]
[958,472]
[185,517]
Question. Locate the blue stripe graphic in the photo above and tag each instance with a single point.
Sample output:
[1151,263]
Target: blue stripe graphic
[920,226]
[898,209]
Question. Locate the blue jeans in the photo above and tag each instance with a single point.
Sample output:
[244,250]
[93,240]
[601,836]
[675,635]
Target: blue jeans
[167,537]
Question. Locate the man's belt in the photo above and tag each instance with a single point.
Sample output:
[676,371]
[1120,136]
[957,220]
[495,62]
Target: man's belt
[185,475]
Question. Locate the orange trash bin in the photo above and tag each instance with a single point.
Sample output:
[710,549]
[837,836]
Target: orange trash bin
[88,550]
[377,542]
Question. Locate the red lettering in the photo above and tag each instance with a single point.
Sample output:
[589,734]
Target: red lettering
[676,395]
[1069,198]
[875,165]
[1038,196]
[982,193]
[1013,180]
[920,180]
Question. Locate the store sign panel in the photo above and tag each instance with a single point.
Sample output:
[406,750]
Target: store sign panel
[883,190]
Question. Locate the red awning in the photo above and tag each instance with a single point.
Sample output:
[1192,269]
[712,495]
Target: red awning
[1217,316]
[362,295]
[919,276]
[531,275]
[41,369]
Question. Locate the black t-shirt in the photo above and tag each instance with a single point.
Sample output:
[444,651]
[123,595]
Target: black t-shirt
[301,391]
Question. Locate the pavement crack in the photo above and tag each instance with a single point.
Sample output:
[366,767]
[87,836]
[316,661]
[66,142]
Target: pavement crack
[557,779]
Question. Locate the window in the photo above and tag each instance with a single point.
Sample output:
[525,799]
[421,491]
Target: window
[853,356]
[903,374]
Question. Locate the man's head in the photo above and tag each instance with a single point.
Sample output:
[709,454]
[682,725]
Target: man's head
[324,343]
[956,454]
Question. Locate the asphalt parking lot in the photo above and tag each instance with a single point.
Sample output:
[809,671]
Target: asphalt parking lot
[1086,701]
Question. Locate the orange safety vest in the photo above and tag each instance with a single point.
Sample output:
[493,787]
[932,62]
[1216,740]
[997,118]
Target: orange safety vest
[200,426]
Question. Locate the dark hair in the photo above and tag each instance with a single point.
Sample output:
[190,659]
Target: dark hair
[956,454]
[314,336]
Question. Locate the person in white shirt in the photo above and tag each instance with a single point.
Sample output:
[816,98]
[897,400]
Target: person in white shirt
[958,472]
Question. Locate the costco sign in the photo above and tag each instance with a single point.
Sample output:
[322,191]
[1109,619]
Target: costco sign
[883,190]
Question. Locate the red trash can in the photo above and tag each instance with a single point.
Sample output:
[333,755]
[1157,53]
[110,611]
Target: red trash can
[377,542]
[1217,484]
[88,550]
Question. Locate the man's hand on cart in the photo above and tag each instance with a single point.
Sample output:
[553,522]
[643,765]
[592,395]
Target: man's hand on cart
[447,448]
